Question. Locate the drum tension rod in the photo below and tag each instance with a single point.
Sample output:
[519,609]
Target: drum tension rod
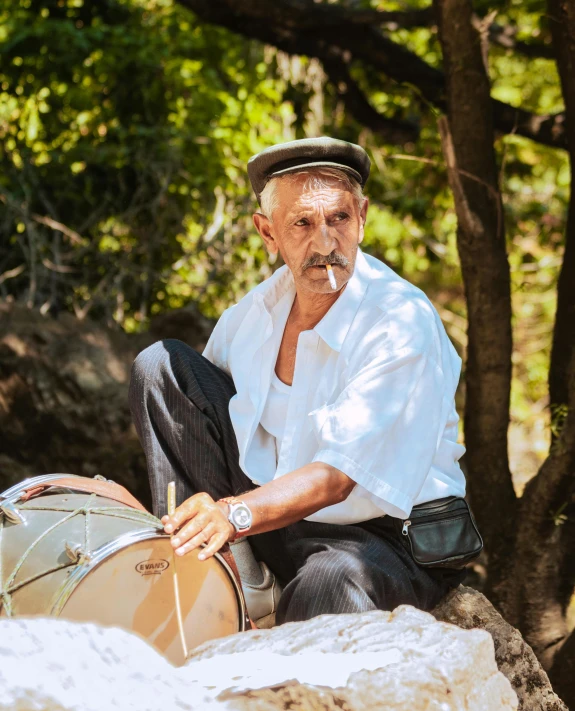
[11,512]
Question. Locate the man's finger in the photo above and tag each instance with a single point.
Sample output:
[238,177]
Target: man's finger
[180,516]
[185,512]
[191,529]
[201,537]
[216,542]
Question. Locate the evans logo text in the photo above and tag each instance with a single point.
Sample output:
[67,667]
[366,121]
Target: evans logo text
[152,566]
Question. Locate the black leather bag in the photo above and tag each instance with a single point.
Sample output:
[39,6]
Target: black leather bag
[443,533]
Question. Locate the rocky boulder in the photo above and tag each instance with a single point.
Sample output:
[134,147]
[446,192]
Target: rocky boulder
[377,660]
[469,609]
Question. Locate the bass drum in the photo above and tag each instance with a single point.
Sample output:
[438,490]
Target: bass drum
[86,550]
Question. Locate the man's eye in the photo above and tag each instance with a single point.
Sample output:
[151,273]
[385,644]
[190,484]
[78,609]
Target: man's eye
[302,222]
[341,216]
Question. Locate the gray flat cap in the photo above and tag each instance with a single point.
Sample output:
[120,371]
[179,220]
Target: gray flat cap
[307,153]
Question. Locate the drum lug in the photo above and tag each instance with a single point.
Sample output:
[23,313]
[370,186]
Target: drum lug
[11,512]
[76,553]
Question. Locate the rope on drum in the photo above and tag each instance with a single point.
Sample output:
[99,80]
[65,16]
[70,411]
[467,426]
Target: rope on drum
[9,587]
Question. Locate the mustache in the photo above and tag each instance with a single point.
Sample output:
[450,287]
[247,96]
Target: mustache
[318,260]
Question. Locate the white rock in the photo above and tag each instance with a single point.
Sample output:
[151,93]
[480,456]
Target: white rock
[56,665]
[376,660]
[263,669]
[442,667]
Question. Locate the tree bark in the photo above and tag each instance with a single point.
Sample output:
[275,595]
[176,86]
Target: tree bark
[392,130]
[538,584]
[537,569]
[562,672]
[562,21]
[467,139]
[524,540]
[562,24]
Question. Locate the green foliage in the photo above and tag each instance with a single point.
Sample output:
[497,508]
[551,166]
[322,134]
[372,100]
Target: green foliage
[126,126]
[131,124]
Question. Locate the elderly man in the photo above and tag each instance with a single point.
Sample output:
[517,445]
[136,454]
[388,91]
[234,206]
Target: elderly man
[321,410]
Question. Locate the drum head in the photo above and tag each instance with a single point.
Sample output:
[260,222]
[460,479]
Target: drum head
[134,589]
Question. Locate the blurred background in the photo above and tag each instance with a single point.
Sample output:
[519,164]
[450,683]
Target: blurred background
[126,126]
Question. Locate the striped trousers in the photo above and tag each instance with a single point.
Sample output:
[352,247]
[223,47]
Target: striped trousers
[179,402]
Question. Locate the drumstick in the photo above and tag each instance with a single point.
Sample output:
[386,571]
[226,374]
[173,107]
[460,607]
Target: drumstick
[171,509]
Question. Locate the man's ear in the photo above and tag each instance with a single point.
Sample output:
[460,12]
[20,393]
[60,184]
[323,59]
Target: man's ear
[362,219]
[265,226]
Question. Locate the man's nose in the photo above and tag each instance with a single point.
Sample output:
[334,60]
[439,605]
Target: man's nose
[324,239]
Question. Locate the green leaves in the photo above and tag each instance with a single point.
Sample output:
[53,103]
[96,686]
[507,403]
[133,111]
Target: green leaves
[125,129]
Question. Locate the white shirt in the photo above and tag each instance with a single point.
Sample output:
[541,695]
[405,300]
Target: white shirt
[274,416]
[372,392]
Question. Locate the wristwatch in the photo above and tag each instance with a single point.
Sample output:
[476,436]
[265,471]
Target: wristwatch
[239,515]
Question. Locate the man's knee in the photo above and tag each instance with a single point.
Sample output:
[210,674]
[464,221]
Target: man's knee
[329,584]
[151,365]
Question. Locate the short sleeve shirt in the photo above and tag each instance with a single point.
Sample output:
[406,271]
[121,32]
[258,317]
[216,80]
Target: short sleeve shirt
[373,392]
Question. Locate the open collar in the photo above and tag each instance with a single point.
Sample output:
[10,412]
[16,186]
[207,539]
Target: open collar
[276,295]
[334,326]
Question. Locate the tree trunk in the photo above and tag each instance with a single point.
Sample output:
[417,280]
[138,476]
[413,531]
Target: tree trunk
[467,139]
[562,21]
[524,542]
[537,569]
[541,573]
[562,672]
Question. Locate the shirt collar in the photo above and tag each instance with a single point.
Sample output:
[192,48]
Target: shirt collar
[334,326]
[271,292]
[276,294]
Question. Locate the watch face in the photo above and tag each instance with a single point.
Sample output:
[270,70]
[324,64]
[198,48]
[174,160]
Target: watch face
[242,517]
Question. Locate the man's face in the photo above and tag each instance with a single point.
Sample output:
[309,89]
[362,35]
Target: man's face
[313,227]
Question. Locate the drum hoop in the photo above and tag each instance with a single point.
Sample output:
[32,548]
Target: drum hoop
[13,493]
[108,549]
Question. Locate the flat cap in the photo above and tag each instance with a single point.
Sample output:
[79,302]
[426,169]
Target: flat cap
[292,156]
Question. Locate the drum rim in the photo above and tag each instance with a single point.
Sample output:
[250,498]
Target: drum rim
[13,493]
[105,551]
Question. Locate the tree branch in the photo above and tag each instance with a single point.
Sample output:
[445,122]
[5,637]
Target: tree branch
[505,36]
[307,14]
[391,130]
[304,14]
[335,15]
[316,30]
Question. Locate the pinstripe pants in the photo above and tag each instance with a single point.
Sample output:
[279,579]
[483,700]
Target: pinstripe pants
[179,403]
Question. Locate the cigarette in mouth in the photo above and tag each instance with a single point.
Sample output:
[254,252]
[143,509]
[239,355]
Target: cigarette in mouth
[331,276]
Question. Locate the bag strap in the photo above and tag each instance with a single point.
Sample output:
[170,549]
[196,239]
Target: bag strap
[108,489]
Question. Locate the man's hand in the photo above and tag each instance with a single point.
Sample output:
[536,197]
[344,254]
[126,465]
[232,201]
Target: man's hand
[278,503]
[199,520]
